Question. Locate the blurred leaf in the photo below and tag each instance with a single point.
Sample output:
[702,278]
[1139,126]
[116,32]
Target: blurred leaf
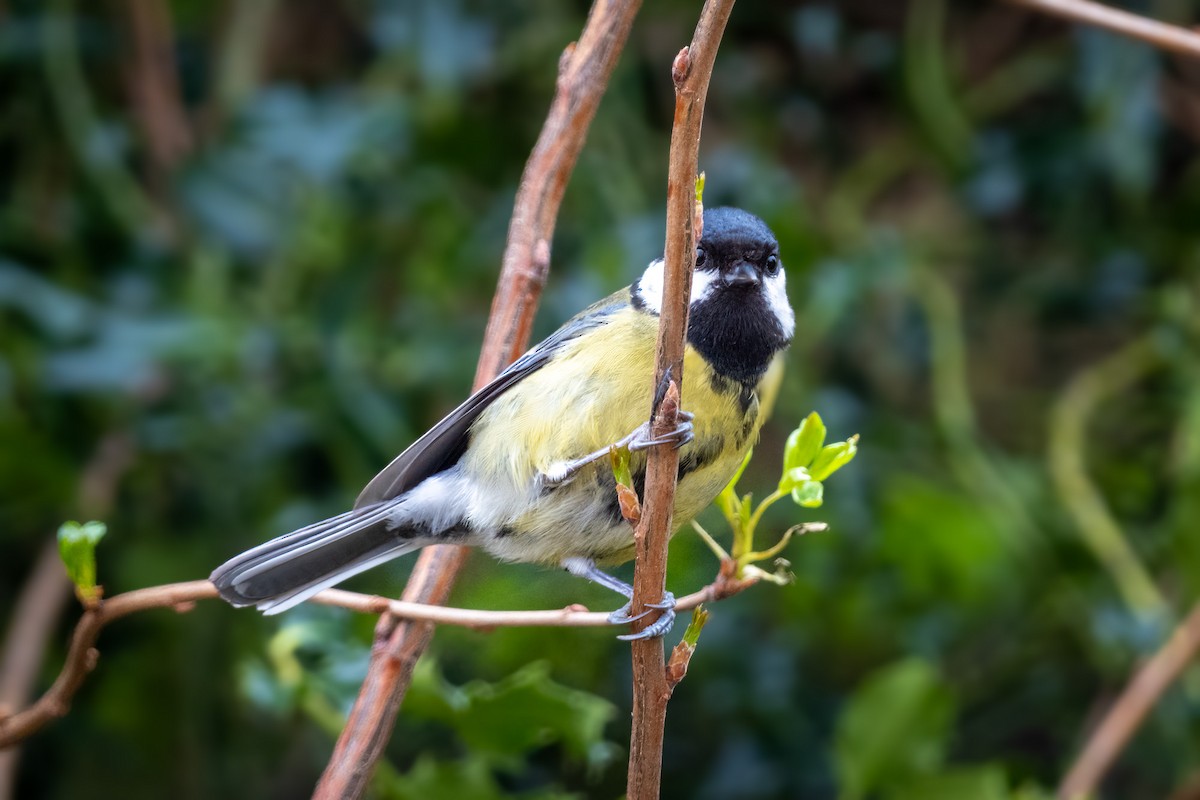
[466,778]
[527,710]
[1117,79]
[77,548]
[893,728]
[961,783]
[941,543]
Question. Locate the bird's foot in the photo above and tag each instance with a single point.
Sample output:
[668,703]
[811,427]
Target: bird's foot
[684,432]
[660,627]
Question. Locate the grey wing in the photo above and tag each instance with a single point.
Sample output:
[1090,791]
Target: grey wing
[446,441]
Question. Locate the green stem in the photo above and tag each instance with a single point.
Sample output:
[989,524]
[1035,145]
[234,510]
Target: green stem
[928,84]
[712,543]
[953,407]
[1067,456]
[766,503]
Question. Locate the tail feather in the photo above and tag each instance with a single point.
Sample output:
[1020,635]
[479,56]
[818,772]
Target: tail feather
[291,568]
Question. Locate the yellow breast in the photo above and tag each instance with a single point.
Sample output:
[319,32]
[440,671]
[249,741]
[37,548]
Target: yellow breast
[594,392]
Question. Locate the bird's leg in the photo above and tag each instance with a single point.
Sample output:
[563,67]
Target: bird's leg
[586,568]
[563,472]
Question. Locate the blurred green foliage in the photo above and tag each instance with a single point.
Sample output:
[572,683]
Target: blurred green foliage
[246,255]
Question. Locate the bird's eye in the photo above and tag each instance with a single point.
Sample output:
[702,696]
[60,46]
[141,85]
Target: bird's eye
[701,257]
[772,265]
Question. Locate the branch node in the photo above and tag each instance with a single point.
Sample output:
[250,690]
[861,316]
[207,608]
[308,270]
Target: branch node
[541,259]
[681,67]
[564,63]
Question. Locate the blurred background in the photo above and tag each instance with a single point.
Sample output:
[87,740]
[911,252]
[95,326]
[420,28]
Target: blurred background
[247,250]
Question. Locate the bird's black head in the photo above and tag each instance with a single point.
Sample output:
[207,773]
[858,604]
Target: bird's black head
[739,316]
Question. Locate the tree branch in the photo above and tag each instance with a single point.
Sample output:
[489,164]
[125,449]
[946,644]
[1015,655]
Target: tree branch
[584,70]
[1126,715]
[690,72]
[82,655]
[1159,34]
[47,590]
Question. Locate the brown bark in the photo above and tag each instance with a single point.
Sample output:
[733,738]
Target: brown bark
[651,690]
[584,70]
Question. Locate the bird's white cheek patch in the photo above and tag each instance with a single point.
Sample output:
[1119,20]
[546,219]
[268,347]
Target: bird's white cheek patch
[650,285]
[702,284]
[778,301]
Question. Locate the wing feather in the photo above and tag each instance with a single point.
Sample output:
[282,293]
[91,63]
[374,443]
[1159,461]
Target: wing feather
[442,446]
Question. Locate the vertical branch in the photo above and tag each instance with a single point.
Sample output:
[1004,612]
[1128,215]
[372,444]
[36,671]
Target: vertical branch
[690,73]
[584,71]
[154,85]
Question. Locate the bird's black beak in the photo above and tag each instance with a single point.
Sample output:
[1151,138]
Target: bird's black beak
[742,274]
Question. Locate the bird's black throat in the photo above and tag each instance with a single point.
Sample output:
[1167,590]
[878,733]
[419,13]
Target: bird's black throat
[737,332]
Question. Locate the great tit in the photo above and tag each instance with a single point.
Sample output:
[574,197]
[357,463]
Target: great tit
[521,469]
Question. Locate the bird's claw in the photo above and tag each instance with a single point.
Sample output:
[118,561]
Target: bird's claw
[684,432]
[660,627]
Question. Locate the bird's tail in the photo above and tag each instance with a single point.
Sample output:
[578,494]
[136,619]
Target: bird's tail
[290,569]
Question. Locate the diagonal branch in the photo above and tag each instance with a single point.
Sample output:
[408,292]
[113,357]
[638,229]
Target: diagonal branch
[1159,34]
[690,73]
[1125,717]
[584,70]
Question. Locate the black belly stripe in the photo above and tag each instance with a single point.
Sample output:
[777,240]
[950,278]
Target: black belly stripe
[747,393]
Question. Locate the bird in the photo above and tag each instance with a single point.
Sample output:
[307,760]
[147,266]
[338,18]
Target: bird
[521,469]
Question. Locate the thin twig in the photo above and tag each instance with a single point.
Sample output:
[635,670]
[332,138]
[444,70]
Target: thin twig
[82,655]
[690,73]
[1159,34]
[584,70]
[1126,715]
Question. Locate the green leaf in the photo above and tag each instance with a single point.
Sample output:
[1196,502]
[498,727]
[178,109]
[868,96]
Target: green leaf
[77,549]
[833,457]
[620,465]
[804,443]
[469,777]
[793,478]
[985,782]
[521,713]
[809,494]
[893,729]
[699,619]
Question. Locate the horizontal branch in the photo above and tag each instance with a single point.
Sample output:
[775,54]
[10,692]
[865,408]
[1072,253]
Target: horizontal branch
[82,655]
